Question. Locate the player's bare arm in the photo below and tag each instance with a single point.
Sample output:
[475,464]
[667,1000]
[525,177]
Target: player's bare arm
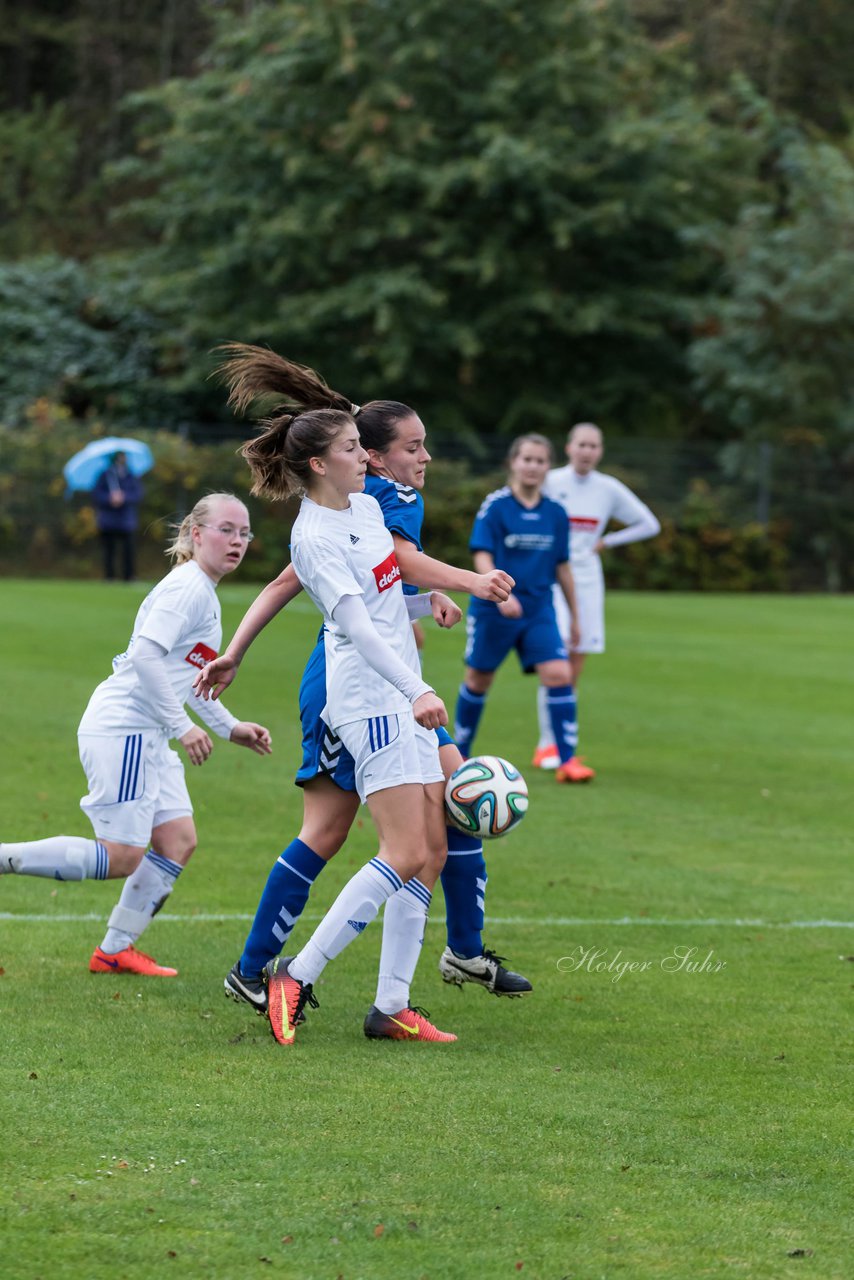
[218,675]
[484,565]
[423,571]
[566,582]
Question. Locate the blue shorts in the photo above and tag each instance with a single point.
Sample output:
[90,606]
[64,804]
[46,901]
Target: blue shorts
[323,752]
[491,636]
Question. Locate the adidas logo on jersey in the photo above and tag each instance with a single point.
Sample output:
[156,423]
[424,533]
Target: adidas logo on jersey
[358,925]
[353,539]
[387,573]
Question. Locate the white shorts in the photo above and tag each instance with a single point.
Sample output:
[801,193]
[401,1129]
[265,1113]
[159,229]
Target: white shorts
[136,781]
[590,597]
[389,751]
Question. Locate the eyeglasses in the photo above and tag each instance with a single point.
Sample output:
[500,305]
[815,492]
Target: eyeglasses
[228,531]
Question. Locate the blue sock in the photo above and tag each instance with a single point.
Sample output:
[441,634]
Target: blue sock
[464,884]
[282,902]
[561,707]
[467,717]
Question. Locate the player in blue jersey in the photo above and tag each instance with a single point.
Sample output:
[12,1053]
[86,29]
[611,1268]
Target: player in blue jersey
[519,530]
[394,438]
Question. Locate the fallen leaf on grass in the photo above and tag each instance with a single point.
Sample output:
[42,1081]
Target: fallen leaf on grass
[287,1239]
[799,1253]
[378,1230]
[34,1075]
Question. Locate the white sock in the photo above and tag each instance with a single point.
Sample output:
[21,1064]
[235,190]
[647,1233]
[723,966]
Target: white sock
[144,893]
[352,911]
[404,919]
[57,857]
[547,738]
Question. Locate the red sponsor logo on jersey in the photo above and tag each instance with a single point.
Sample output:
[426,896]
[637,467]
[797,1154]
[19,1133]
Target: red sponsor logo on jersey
[387,573]
[200,654]
[583,523]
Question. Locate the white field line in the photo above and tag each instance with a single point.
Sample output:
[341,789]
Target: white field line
[540,922]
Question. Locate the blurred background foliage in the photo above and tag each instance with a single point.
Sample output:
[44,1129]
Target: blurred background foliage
[639,212]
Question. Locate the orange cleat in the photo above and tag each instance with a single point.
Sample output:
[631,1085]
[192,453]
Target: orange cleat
[546,757]
[574,771]
[129,961]
[410,1023]
[286,999]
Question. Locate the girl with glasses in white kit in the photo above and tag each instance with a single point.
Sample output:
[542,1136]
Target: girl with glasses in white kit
[376,701]
[138,801]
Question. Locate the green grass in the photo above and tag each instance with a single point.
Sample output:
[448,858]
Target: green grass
[658,1124]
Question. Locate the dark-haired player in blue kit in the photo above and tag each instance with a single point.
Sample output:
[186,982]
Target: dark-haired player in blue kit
[394,437]
[526,534]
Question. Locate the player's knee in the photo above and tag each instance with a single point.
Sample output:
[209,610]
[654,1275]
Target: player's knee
[124,859]
[325,841]
[478,681]
[555,674]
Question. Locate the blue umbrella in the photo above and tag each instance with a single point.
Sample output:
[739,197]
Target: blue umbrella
[83,469]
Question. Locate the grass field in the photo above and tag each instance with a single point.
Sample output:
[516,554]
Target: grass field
[660,1121]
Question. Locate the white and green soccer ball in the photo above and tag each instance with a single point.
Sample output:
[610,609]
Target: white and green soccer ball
[486,797]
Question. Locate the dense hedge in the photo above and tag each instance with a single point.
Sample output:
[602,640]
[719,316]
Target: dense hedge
[43,532]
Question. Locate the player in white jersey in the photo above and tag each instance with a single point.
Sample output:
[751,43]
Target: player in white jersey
[591,500]
[138,798]
[394,437]
[377,704]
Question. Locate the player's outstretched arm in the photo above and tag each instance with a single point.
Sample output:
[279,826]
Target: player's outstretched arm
[509,607]
[218,675]
[423,571]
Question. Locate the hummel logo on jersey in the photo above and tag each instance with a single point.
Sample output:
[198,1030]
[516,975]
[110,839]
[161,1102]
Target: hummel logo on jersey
[353,539]
[200,654]
[387,573]
[358,925]
[405,493]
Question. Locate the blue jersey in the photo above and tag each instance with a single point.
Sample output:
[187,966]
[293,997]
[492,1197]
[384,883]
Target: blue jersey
[527,542]
[403,512]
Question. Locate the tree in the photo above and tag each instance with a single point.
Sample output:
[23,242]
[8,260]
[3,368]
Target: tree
[78,335]
[777,353]
[477,207]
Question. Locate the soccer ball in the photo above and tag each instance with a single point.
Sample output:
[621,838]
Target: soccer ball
[486,797]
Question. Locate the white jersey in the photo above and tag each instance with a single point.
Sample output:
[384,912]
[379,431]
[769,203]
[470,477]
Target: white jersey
[182,614]
[351,553]
[590,502]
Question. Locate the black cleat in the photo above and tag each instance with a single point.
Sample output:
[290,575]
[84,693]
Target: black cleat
[486,970]
[246,990]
